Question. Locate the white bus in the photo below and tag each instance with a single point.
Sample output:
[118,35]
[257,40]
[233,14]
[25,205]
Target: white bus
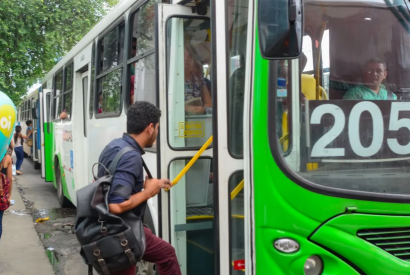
[259,199]
[29,110]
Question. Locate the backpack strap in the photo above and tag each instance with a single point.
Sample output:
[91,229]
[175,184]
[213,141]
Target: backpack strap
[146,169]
[114,164]
[117,158]
[144,204]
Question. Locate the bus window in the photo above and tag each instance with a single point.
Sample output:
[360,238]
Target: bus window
[282,104]
[57,94]
[109,51]
[48,106]
[29,109]
[121,44]
[325,51]
[354,108]
[91,102]
[145,79]
[142,71]
[134,34]
[145,36]
[68,93]
[237,31]
[189,98]
[109,85]
[307,60]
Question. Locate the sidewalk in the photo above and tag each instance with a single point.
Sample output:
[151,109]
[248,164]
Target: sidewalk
[21,251]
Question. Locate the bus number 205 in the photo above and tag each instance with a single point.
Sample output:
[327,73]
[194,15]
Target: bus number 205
[347,129]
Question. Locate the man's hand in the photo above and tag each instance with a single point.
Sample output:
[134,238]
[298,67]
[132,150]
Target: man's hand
[153,186]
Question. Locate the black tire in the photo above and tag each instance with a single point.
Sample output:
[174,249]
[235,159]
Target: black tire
[64,202]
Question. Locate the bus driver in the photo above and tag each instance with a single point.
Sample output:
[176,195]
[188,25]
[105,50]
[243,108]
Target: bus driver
[372,89]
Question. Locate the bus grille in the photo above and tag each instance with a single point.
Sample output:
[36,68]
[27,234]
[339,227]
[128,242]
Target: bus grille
[395,241]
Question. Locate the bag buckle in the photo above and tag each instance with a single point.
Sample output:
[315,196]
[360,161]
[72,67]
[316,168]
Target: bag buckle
[103,229]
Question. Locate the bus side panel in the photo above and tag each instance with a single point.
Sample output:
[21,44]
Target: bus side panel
[49,152]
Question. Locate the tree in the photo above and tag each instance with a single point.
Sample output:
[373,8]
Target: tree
[35,34]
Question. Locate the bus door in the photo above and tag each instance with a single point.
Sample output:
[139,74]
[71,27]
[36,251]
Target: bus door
[187,211]
[41,118]
[36,129]
[47,136]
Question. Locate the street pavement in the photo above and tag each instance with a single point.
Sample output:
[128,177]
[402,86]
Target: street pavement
[25,241]
[21,251]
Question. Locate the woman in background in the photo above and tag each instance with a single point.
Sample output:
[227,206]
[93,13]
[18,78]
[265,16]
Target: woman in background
[18,148]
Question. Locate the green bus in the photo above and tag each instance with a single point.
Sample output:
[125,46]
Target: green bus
[308,106]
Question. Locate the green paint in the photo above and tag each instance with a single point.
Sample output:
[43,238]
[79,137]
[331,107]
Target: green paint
[285,209]
[345,228]
[48,151]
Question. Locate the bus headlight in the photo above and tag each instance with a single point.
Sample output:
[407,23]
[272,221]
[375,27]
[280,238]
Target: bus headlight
[286,245]
[313,265]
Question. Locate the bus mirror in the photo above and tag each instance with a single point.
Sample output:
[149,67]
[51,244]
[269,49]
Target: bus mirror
[280,28]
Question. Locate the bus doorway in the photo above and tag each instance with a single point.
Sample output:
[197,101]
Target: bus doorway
[186,126]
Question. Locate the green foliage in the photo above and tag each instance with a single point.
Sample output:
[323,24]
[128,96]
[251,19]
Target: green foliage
[35,34]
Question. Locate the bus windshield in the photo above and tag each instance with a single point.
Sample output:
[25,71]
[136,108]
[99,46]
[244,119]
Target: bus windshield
[351,111]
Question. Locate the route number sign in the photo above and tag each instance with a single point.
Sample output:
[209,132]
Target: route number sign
[352,129]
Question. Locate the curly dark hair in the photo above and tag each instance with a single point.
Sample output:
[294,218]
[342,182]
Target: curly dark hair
[29,122]
[140,115]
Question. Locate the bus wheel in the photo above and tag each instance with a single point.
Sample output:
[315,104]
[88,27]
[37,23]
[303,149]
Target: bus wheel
[64,202]
[145,268]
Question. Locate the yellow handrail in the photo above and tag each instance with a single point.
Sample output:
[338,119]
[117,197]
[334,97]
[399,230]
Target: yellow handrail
[191,162]
[237,189]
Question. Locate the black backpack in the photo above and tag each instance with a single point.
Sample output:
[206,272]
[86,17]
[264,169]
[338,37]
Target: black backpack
[109,243]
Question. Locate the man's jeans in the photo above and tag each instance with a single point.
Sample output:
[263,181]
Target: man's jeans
[159,252]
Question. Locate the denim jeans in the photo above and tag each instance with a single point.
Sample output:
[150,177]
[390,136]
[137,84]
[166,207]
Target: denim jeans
[20,156]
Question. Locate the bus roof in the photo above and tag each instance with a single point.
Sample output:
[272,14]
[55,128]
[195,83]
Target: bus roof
[115,13]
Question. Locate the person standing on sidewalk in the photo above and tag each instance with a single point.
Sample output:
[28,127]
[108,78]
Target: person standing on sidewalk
[126,192]
[18,148]
[5,194]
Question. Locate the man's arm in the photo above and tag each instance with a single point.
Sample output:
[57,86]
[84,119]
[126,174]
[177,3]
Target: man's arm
[134,201]
[152,188]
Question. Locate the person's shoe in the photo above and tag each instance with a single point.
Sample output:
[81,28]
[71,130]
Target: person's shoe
[19,173]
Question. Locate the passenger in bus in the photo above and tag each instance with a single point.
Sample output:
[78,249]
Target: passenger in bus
[372,88]
[129,190]
[64,115]
[29,133]
[197,96]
